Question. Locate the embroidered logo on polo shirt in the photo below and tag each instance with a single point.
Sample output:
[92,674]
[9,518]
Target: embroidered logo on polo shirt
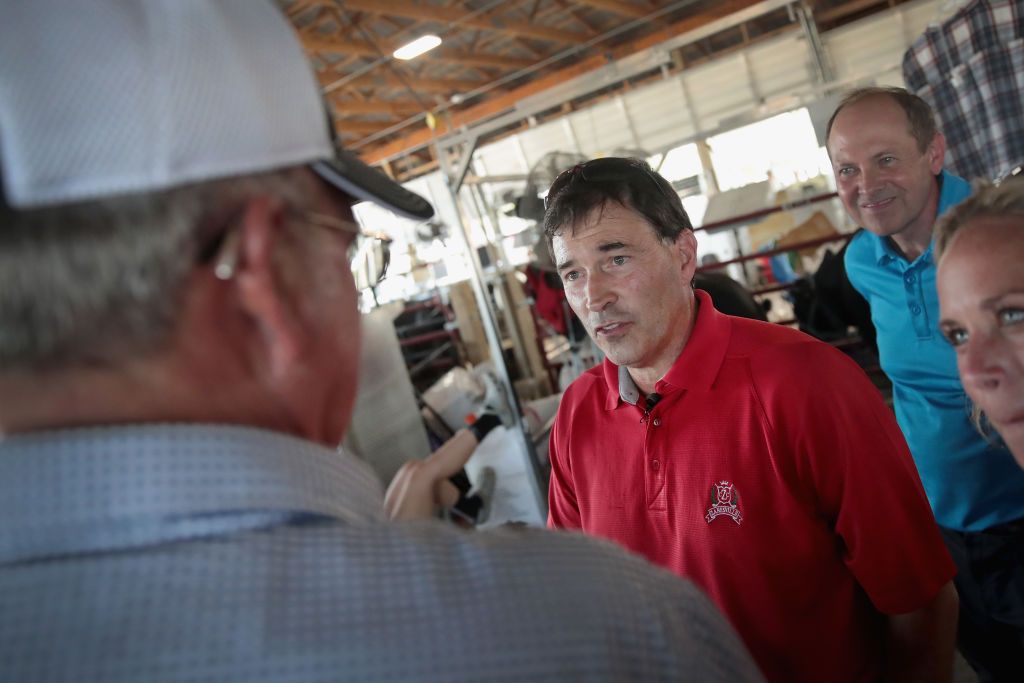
[725,500]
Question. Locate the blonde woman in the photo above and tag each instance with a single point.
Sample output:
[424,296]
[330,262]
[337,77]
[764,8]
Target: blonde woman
[980,247]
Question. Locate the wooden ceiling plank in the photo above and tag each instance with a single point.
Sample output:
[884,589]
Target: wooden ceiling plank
[358,47]
[500,102]
[316,25]
[346,25]
[529,48]
[581,20]
[379,78]
[321,43]
[376,106]
[616,7]
[565,10]
[533,9]
[478,59]
[844,9]
[362,127]
[454,15]
[344,62]
[300,6]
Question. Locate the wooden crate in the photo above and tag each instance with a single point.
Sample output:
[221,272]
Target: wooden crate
[471,327]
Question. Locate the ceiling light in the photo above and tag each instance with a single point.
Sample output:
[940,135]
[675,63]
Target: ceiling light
[416,47]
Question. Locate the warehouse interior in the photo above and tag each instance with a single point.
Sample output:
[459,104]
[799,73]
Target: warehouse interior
[518,92]
[604,340]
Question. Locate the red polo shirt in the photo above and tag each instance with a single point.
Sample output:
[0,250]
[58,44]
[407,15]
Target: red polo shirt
[772,474]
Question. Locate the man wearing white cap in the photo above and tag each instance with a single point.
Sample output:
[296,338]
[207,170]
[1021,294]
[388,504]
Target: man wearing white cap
[178,348]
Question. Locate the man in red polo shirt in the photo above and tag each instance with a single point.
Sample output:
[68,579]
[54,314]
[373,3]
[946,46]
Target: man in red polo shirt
[751,458]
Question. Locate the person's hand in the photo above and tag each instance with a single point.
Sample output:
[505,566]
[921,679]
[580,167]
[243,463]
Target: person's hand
[421,487]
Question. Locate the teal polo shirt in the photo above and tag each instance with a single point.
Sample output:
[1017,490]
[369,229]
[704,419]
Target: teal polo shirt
[971,483]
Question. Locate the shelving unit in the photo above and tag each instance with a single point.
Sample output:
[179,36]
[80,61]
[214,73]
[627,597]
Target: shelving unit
[429,339]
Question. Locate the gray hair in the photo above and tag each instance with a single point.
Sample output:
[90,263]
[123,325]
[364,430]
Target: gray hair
[92,282]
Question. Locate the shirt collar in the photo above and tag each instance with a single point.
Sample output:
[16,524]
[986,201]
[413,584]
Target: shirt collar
[886,254]
[695,368]
[96,488]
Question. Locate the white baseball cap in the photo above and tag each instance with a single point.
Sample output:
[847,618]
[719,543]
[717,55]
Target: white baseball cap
[108,97]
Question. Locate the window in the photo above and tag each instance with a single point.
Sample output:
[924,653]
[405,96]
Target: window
[782,150]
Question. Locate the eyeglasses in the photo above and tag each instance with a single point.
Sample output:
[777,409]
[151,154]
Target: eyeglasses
[369,254]
[602,170]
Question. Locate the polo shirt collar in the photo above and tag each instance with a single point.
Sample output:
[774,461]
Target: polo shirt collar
[695,368]
[886,254]
[629,392]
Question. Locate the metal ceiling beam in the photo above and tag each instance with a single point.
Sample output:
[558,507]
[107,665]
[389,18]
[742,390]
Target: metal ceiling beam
[453,15]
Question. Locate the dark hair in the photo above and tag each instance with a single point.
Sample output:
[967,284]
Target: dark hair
[919,113]
[631,183]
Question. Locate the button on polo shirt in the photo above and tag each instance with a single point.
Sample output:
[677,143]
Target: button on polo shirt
[773,475]
[915,277]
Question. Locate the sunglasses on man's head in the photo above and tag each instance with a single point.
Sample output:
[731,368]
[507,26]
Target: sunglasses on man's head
[601,170]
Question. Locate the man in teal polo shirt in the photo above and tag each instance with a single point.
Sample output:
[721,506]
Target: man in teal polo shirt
[887,156]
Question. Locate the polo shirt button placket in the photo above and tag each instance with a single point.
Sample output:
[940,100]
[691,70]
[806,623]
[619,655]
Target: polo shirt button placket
[915,303]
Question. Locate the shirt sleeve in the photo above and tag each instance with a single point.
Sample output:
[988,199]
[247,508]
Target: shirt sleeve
[563,508]
[852,462]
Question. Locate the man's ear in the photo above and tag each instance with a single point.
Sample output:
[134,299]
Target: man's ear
[936,153]
[686,245]
[262,293]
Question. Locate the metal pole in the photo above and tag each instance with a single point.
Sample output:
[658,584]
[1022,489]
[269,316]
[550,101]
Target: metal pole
[821,65]
[489,320]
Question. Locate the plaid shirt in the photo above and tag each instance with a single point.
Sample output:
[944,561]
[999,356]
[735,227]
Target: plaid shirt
[971,70]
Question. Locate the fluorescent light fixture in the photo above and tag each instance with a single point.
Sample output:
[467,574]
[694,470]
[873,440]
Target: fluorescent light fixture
[416,47]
